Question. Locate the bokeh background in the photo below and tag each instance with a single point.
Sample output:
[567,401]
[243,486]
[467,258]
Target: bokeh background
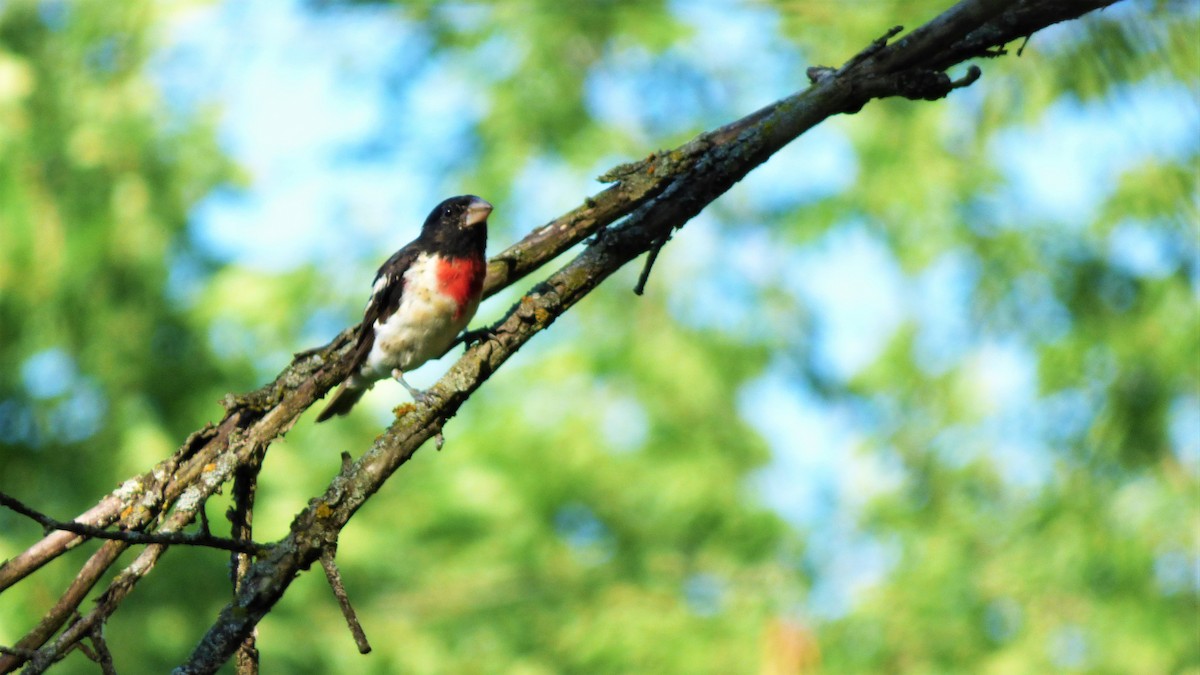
[921,394]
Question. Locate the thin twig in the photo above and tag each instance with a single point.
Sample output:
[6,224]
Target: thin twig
[66,607]
[135,502]
[131,536]
[339,592]
[241,519]
[872,49]
[102,655]
[203,464]
[87,651]
[106,604]
[640,288]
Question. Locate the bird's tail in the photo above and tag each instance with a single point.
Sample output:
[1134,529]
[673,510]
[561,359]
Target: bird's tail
[342,401]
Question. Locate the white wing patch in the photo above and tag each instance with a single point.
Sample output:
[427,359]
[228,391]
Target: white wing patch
[380,284]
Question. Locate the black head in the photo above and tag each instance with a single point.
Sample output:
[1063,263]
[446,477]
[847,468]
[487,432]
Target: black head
[458,225]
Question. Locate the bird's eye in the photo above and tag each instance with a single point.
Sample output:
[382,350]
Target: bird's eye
[446,212]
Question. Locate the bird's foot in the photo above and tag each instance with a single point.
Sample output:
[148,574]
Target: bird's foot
[418,395]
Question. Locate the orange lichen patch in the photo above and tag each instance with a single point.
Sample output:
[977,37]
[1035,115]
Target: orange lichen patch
[210,467]
[323,511]
[403,409]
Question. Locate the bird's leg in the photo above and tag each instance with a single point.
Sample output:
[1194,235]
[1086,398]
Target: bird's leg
[418,395]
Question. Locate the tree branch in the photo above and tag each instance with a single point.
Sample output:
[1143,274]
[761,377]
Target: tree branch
[203,538]
[334,577]
[241,519]
[137,497]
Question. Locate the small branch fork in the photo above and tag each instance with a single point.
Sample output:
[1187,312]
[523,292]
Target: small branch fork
[648,201]
[99,652]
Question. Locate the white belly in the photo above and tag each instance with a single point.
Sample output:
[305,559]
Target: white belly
[421,329]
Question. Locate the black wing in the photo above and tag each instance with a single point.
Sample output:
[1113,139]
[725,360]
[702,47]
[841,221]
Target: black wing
[385,299]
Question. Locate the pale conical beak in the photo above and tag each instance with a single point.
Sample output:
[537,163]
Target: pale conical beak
[477,211]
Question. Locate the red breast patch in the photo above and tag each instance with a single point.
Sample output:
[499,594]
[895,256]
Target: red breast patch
[462,280]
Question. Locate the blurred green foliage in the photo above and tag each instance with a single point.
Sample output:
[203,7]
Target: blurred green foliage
[95,183]
[595,507]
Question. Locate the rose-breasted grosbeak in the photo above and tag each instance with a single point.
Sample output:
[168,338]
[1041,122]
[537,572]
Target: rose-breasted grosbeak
[423,297]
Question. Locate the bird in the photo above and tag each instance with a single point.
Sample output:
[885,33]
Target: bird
[422,298]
